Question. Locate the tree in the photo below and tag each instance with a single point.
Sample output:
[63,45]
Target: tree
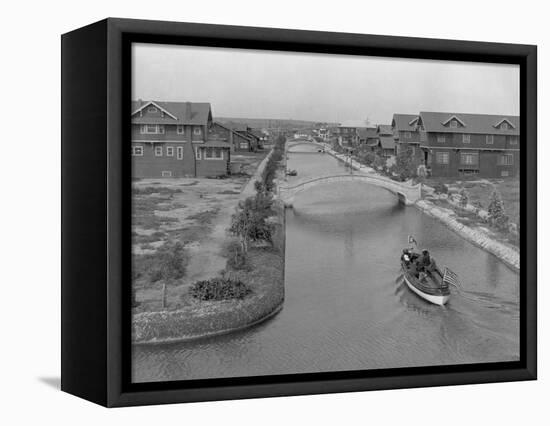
[404,166]
[170,266]
[497,215]
[464,198]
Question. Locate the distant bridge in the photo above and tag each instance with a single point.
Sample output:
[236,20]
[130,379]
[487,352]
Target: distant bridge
[407,193]
[293,143]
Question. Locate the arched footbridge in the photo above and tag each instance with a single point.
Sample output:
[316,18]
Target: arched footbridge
[407,193]
[294,143]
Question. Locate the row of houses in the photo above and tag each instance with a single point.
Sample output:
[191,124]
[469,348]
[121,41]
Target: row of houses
[447,144]
[179,139]
[456,144]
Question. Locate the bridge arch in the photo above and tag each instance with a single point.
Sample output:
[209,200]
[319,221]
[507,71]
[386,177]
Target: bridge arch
[294,143]
[406,192]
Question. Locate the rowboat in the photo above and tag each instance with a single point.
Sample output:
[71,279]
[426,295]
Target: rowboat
[430,286]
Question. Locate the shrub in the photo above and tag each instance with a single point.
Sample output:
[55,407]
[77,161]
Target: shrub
[497,216]
[219,289]
[441,188]
[464,198]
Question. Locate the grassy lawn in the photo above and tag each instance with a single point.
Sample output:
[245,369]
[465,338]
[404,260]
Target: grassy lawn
[480,191]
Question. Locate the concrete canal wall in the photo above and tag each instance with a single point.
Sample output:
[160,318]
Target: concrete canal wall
[507,254]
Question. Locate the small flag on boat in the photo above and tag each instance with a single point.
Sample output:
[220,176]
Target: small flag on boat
[412,240]
[451,278]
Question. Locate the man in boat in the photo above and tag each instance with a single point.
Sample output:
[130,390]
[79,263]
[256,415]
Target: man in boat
[406,256]
[424,265]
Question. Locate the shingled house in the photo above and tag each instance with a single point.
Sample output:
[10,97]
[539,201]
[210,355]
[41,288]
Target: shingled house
[455,144]
[406,134]
[177,139]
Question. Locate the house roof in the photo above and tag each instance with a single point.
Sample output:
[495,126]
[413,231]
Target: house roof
[226,126]
[216,144]
[237,127]
[384,129]
[469,123]
[366,132]
[193,113]
[387,142]
[404,122]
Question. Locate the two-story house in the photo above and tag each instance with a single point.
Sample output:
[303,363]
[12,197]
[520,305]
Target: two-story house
[407,136]
[456,144]
[177,139]
[383,142]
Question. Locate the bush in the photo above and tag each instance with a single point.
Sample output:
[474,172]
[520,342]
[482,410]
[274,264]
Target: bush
[497,217]
[464,198]
[441,188]
[219,289]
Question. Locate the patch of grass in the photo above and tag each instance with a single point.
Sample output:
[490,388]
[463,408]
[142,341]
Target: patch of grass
[229,192]
[193,183]
[152,190]
[168,262]
[144,239]
[204,217]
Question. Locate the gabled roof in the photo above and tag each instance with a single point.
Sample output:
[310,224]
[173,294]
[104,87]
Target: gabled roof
[404,122]
[384,129]
[473,123]
[191,113]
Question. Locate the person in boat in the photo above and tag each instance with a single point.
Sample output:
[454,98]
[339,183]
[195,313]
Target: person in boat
[406,256]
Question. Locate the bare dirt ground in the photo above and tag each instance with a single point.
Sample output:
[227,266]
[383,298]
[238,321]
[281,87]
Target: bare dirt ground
[193,211]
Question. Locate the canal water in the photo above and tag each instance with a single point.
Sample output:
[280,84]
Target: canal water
[346,306]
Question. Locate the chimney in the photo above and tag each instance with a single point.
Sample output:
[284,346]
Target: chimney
[188,110]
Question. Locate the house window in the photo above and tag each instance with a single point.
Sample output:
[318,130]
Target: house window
[152,109]
[490,139]
[465,138]
[137,151]
[504,173]
[211,153]
[513,140]
[504,126]
[197,131]
[197,153]
[442,157]
[243,145]
[506,160]
[454,124]
[158,151]
[441,138]
[179,152]
[407,135]
[169,151]
[166,173]
[152,129]
[469,158]
[180,129]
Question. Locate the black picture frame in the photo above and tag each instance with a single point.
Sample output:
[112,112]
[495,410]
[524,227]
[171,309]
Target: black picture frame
[96,254]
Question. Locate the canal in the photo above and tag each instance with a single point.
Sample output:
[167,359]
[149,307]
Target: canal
[346,306]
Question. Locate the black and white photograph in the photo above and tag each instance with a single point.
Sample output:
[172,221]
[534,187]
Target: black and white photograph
[300,212]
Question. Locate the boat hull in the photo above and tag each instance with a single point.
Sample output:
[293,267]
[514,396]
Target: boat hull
[432,298]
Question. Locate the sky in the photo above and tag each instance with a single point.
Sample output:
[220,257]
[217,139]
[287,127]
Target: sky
[319,87]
